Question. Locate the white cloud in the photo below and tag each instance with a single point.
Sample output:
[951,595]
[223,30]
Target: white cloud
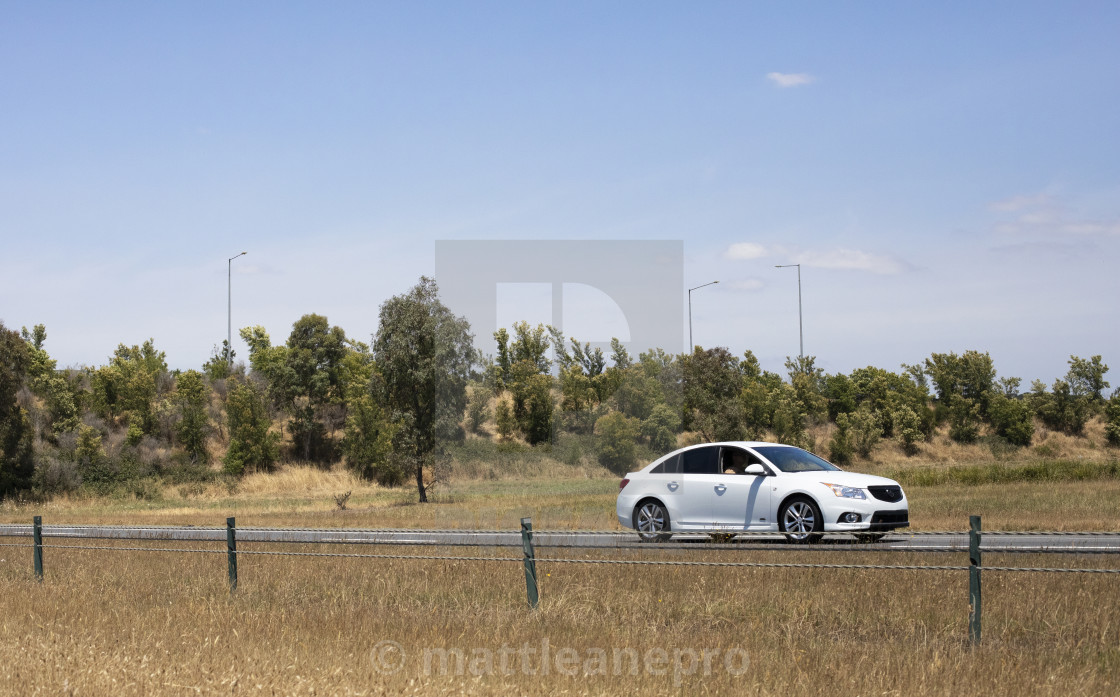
[1018,203]
[850,260]
[790,79]
[1046,215]
[748,284]
[745,251]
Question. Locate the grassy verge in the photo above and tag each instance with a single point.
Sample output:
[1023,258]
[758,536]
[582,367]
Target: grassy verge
[1047,471]
[564,498]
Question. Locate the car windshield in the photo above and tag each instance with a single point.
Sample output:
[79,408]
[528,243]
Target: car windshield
[795,460]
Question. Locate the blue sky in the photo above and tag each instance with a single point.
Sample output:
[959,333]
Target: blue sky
[947,174]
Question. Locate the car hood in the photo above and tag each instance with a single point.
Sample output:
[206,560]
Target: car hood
[847,478]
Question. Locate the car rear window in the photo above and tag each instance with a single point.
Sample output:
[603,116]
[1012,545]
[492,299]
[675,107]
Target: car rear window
[671,465]
[700,460]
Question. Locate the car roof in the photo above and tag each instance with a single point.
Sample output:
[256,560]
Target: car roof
[740,443]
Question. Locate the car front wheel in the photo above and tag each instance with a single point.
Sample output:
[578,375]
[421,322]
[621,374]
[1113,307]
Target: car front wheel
[652,522]
[799,519]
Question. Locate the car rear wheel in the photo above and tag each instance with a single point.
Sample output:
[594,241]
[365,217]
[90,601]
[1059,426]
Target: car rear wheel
[651,520]
[799,519]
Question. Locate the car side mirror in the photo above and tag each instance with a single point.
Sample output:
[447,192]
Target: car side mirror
[756,469]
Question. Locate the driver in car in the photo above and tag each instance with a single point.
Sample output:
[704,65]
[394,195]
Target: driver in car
[734,462]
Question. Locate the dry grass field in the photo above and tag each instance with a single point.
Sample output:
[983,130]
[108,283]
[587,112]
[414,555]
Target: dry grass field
[143,623]
[129,623]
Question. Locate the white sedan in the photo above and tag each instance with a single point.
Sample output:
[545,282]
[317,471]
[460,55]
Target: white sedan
[750,486]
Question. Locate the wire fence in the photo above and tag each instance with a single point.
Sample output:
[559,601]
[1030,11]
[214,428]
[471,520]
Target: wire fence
[1063,542]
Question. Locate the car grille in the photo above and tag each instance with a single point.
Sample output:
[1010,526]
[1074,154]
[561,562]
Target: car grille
[891,517]
[890,494]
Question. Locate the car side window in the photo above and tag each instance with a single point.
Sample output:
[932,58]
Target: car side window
[670,465]
[700,460]
[736,460]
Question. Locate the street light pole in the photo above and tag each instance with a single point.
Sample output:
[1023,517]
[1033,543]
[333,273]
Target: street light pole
[692,346]
[800,324]
[229,309]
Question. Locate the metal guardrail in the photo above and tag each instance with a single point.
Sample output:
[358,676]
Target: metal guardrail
[1064,542]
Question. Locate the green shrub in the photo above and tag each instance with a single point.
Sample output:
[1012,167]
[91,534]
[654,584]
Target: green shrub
[1011,419]
[503,415]
[1112,419]
[661,428]
[616,438]
[478,408]
[840,446]
[1060,409]
[907,429]
[865,430]
[251,444]
[964,419]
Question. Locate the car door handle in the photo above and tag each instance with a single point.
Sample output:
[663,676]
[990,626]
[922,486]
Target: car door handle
[721,488]
[673,486]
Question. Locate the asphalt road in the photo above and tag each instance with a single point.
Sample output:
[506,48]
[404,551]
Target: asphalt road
[901,541]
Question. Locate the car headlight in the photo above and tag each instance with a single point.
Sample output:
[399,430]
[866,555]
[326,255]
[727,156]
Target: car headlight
[846,492]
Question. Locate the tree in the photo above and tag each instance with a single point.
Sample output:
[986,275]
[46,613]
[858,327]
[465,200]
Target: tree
[591,360]
[192,397]
[712,381]
[1112,419]
[787,419]
[504,361]
[478,407]
[531,344]
[620,357]
[1086,378]
[841,395]
[808,383]
[637,393]
[532,401]
[220,364]
[57,391]
[661,428]
[424,354]
[884,393]
[970,375]
[616,437]
[369,442]
[252,446]
[266,360]
[864,428]
[126,390]
[964,419]
[840,447]
[907,429]
[757,396]
[1061,409]
[1011,419]
[16,463]
[503,418]
[312,376]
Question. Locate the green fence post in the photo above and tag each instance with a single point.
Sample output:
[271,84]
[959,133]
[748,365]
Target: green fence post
[530,562]
[974,566]
[37,529]
[231,552]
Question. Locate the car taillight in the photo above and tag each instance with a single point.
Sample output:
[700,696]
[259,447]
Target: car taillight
[623,483]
